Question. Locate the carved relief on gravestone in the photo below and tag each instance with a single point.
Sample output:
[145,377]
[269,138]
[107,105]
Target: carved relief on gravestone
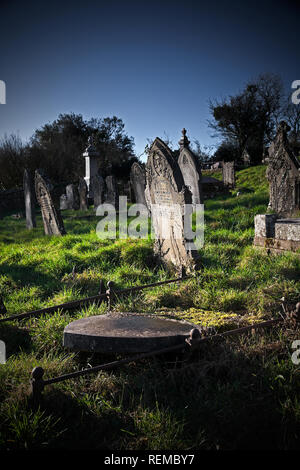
[167,196]
[228,174]
[138,183]
[29,200]
[83,195]
[72,197]
[97,187]
[112,193]
[190,169]
[53,223]
[283,174]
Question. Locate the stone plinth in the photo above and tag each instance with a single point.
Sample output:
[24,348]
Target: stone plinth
[277,234]
[125,333]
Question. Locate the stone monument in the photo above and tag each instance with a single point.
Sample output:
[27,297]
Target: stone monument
[112,193]
[72,197]
[91,164]
[98,189]
[83,192]
[283,174]
[53,223]
[29,200]
[167,196]
[228,175]
[138,183]
[190,169]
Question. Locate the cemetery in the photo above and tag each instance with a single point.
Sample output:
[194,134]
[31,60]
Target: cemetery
[171,325]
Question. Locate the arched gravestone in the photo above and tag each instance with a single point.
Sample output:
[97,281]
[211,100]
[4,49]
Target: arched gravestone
[190,169]
[167,196]
[53,223]
[138,183]
[112,193]
[228,174]
[72,197]
[29,200]
[283,174]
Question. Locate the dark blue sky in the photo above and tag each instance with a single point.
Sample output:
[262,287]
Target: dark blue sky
[153,64]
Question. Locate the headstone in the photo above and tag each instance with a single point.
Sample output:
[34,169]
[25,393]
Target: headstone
[138,183]
[91,164]
[190,169]
[283,174]
[29,200]
[63,202]
[83,192]
[72,197]
[53,223]
[167,197]
[98,189]
[112,193]
[228,175]
[246,157]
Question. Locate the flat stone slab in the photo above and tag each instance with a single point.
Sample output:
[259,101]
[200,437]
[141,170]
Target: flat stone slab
[125,333]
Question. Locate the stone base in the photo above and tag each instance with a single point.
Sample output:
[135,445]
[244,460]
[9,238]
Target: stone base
[276,244]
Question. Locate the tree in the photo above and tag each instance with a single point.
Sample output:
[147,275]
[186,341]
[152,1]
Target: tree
[248,119]
[12,162]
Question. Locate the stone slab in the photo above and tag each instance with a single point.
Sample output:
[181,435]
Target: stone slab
[125,333]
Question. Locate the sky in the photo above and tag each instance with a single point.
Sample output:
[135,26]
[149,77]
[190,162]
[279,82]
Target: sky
[153,64]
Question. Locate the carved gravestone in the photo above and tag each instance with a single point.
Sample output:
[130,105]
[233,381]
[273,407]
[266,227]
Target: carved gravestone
[29,200]
[83,195]
[228,175]
[72,197]
[112,193]
[138,183]
[190,169]
[283,174]
[53,223]
[97,189]
[167,196]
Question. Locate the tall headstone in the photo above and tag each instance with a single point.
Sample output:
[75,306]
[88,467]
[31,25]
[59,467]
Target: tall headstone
[91,164]
[63,202]
[29,200]
[72,197]
[228,175]
[167,196]
[283,174]
[53,223]
[98,189]
[190,169]
[83,195]
[138,183]
[112,193]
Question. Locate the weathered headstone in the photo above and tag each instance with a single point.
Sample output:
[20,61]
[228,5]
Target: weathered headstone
[53,223]
[190,169]
[83,192]
[63,202]
[167,197]
[138,183]
[246,157]
[72,196]
[29,200]
[228,175]
[283,174]
[112,193]
[98,189]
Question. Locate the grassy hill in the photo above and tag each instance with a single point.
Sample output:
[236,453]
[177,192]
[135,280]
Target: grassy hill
[152,404]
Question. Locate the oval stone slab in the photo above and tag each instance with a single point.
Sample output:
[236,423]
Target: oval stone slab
[125,333]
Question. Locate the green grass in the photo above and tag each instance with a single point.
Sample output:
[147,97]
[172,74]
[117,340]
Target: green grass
[237,394]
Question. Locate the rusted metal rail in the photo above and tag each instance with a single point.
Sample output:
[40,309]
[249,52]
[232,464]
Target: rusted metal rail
[195,340]
[75,304]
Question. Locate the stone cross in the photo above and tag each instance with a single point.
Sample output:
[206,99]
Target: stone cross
[29,200]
